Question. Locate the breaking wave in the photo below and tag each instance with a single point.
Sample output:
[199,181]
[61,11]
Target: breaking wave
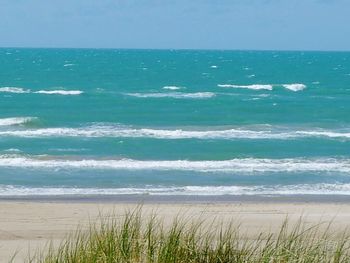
[245,165]
[292,87]
[298,189]
[173,87]
[69,65]
[13,90]
[129,132]
[175,95]
[60,92]
[252,87]
[16,121]
[49,92]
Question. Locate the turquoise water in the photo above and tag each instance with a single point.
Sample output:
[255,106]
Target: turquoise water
[80,121]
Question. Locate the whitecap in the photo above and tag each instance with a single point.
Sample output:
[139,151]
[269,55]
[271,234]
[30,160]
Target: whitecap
[252,87]
[13,90]
[244,165]
[115,131]
[60,92]
[191,190]
[15,121]
[324,133]
[294,87]
[174,95]
[172,87]
[299,189]
[130,132]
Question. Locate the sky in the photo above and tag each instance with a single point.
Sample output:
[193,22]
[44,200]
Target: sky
[177,24]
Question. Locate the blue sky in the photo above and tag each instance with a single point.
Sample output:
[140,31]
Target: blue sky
[178,24]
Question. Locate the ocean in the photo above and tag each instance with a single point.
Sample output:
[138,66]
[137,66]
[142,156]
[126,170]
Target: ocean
[174,122]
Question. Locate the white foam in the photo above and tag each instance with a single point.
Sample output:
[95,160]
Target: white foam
[319,133]
[294,87]
[128,132]
[175,95]
[252,87]
[13,90]
[113,131]
[213,66]
[298,189]
[15,121]
[49,92]
[60,92]
[247,165]
[172,87]
[68,65]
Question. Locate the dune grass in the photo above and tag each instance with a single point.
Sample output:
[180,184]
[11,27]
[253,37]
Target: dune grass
[134,238]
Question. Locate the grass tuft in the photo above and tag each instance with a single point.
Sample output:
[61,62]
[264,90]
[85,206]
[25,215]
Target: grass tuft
[136,239]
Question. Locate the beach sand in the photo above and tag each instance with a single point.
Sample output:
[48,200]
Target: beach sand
[27,225]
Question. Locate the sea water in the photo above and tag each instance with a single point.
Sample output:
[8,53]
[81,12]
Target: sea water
[174,122]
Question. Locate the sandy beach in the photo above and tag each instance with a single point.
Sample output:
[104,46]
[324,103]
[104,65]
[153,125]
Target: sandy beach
[26,226]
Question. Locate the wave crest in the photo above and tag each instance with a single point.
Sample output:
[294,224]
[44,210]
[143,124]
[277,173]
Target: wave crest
[174,95]
[172,87]
[16,121]
[294,87]
[252,87]
[13,90]
[247,165]
[127,132]
[60,92]
[233,190]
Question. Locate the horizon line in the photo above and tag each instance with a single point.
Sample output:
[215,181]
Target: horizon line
[177,49]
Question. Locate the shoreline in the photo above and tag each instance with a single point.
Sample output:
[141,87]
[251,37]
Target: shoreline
[179,199]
